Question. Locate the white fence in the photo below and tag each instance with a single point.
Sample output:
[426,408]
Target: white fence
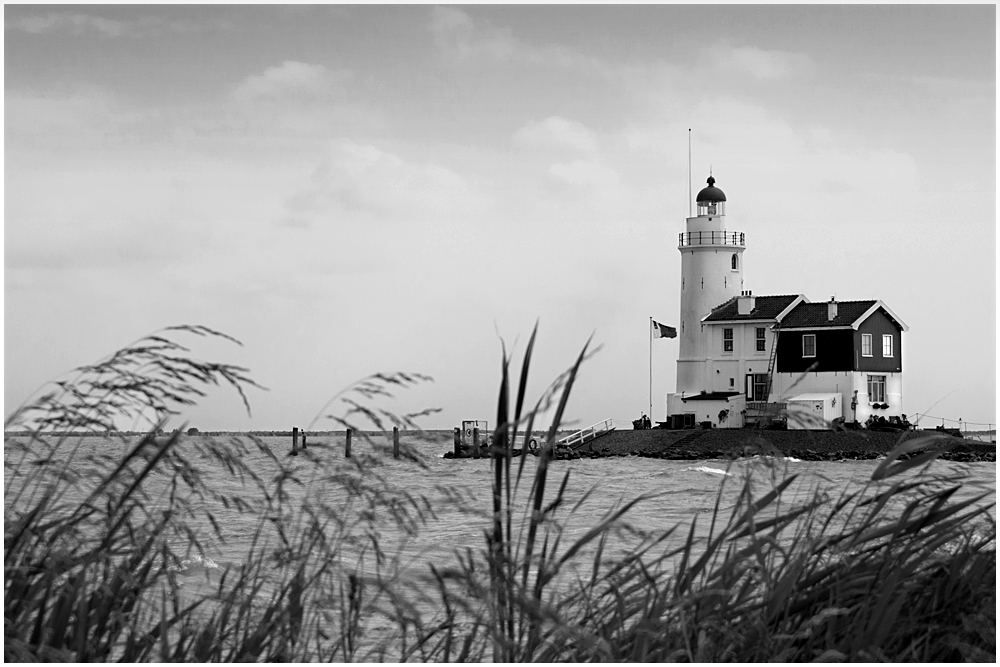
[585,434]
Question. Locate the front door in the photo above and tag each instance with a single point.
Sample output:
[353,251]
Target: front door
[756,387]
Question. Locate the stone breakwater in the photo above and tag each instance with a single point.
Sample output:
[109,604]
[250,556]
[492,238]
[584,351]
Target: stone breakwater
[804,445]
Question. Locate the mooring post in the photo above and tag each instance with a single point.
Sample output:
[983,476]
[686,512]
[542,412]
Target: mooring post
[295,441]
[395,442]
[347,446]
[458,442]
[475,443]
[303,439]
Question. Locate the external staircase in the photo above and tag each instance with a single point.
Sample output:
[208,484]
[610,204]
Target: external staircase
[769,411]
[584,435]
[772,362]
[687,439]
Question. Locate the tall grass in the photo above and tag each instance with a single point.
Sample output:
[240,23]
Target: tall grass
[94,538]
[898,569]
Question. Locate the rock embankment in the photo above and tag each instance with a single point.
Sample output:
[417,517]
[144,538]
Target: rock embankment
[804,445]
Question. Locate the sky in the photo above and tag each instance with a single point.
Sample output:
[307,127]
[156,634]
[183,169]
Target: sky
[358,189]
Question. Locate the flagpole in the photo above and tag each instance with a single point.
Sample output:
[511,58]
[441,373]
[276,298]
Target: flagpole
[650,367]
[689,172]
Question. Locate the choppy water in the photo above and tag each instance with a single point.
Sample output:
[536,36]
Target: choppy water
[459,493]
[677,490]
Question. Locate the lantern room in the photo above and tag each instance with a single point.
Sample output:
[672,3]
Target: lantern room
[711,200]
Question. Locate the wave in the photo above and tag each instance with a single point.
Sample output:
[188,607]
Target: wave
[713,471]
[194,564]
[766,457]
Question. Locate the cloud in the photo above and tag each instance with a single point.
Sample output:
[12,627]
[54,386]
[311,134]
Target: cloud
[291,78]
[65,113]
[361,181]
[765,64]
[585,173]
[461,40]
[557,131]
[79,24]
[293,100]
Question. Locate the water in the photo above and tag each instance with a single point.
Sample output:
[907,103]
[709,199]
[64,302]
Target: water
[678,490]
[460,494]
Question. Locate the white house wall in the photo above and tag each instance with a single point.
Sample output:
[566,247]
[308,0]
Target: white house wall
[743,360]
[710,410]
[844,383]
[893,396]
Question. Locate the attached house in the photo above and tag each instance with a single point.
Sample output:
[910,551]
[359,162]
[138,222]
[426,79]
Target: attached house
[848,350]
[851,348]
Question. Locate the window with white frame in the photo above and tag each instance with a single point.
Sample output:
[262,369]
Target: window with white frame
[727,340]
[866,345]
[876,389]
[809,345]
[760,386]
[761,339]
[886,345]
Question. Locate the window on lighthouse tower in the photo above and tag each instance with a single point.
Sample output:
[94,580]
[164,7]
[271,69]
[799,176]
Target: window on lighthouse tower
[736,262]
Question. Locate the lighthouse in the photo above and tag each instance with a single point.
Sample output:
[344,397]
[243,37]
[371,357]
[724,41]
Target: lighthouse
[711,274]
[746,359]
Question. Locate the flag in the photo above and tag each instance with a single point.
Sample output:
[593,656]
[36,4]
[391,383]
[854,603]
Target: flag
[663,331]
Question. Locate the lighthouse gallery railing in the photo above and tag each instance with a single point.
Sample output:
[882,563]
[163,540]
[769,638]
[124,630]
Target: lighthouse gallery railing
[711,238]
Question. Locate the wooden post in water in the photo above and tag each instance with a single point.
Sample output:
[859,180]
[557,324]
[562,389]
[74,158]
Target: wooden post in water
[458,442]
[295,441]
[347,446]
[395,442]
[303,439]
[475,443]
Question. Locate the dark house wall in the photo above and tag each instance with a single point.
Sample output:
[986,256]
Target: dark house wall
[834,351]
[877,324]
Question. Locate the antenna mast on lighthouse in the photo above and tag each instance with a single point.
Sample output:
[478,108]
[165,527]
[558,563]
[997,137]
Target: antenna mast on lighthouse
[690,213]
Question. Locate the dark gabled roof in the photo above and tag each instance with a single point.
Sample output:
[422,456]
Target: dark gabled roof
[765,308]
[814,315]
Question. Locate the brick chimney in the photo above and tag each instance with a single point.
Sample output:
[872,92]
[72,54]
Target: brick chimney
[745,303]
[831,310]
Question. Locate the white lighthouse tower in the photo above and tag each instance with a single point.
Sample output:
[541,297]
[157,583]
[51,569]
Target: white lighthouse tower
[711,273]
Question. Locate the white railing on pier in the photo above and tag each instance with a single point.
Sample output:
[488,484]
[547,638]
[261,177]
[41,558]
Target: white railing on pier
[586,434]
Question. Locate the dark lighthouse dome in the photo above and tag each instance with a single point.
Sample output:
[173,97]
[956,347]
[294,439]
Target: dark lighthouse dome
[711,194]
